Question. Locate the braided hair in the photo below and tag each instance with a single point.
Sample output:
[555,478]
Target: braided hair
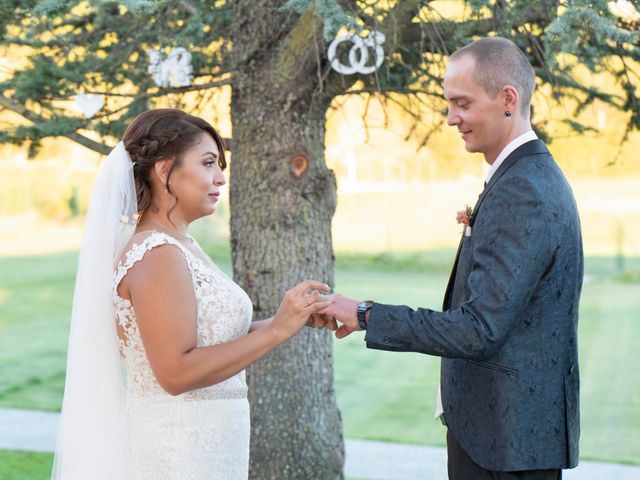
[161,134]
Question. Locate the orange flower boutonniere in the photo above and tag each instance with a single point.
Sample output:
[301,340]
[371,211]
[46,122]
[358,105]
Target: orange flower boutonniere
[464,217]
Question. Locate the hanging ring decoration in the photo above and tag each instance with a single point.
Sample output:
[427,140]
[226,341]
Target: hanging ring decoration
[358,54]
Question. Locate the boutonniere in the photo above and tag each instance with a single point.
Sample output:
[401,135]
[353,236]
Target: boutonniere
[465,217]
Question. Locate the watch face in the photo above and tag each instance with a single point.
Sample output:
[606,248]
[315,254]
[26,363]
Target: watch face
[366,305]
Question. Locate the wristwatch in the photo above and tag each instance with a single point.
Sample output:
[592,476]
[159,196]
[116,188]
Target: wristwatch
[363,308]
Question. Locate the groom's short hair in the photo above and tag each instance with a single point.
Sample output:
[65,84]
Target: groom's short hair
[499,62]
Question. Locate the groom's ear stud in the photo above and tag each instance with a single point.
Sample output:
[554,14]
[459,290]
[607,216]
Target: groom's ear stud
[507,113]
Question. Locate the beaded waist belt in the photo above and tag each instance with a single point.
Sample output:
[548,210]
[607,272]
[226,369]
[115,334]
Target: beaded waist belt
[209,393]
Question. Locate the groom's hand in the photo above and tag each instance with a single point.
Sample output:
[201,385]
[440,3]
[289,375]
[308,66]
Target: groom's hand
[345,310]
[318,320]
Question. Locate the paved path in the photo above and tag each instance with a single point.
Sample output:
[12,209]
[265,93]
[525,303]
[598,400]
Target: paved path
[36,431]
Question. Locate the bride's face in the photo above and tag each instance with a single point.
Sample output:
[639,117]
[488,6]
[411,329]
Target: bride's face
[197,181]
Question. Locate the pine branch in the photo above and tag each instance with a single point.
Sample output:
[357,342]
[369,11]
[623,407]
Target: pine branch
[34,118]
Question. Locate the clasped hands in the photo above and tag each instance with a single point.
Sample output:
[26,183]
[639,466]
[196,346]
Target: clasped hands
[341,309]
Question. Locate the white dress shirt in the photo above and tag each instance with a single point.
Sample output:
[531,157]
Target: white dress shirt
[506,151]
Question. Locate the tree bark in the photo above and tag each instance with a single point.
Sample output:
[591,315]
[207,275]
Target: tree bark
[282,200]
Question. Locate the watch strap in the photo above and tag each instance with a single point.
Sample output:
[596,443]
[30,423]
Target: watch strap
[363,308]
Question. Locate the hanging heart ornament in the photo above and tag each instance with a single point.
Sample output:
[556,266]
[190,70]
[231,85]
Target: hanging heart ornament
[89,104]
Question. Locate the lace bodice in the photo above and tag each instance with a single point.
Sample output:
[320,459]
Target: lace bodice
[203,434]
[223,313]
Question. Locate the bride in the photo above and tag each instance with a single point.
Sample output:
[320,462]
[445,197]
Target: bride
[155,385]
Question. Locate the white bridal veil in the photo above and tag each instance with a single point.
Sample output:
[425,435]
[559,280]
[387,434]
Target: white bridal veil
[91,440]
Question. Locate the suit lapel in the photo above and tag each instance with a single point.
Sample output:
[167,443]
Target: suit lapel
[530,148]
[446,303]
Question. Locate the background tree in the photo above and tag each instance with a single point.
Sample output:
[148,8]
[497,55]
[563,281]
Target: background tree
[273,55]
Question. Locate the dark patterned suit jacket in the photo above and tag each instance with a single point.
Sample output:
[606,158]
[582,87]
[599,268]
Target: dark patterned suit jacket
[508,332]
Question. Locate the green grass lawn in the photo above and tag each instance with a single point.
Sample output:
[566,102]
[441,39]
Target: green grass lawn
[398,389]
[35,305]
[25,465]
[388,395]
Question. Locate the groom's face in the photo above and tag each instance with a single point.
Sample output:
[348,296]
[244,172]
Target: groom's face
[479,118]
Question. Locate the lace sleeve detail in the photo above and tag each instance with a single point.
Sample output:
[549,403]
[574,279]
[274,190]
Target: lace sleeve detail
[137,251]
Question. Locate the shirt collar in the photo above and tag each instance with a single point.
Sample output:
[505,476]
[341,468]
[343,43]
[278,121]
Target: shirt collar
[510,147]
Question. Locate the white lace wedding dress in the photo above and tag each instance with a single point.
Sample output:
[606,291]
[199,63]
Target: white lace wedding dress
[202,434]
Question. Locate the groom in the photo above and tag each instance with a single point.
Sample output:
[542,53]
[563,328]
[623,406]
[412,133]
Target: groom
[507,334]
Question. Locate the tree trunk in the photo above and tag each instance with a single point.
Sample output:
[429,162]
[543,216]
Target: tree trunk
[282,200]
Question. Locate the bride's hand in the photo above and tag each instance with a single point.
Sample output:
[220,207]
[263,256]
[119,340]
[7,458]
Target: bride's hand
[298,304]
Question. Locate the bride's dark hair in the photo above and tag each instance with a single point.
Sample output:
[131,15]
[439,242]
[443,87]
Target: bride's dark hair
[160,134]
